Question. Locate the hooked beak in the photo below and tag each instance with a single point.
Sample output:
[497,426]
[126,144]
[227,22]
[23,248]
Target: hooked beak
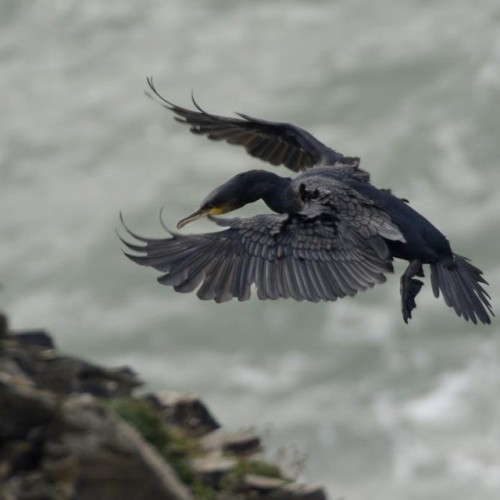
[202,212]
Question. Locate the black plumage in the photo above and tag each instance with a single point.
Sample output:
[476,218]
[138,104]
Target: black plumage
[273,142]
[332,235]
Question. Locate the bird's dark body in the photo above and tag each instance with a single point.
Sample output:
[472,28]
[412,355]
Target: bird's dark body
[423,241]
[332,232]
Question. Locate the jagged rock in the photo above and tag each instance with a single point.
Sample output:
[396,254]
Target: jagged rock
[36,339]
[243,443]
[211,469]
[109,382]
[4,325]
[282,489]
[263,484]
[78,450]
[11,372]
[23,409]
[34,354]
[185,410]
[293,491]
[238,443]
[114,461]
[62,437]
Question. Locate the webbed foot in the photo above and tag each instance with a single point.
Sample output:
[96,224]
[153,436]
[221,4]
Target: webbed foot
[410,287]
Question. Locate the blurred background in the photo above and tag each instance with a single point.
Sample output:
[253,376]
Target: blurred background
[380,409]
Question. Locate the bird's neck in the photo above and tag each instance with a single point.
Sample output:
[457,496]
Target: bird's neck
[276,193]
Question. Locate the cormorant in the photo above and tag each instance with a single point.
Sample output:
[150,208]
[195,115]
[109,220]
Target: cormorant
[333,233]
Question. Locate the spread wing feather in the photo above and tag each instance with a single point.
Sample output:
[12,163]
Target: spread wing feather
[302,256]
[274,142]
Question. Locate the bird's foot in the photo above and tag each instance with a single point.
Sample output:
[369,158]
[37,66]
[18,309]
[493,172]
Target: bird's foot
[410,287]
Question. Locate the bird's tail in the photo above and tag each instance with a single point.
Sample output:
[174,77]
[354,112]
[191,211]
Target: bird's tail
[461,285]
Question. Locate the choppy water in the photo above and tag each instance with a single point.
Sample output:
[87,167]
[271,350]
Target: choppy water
[384,411]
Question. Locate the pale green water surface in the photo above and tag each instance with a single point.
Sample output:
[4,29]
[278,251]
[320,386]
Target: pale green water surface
[385,411]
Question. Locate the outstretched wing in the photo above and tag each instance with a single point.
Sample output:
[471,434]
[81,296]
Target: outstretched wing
[302,256]
[273,142]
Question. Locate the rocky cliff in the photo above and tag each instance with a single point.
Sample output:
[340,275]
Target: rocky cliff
[70,429]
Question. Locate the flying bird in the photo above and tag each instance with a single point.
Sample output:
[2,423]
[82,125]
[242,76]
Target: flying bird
[332,232]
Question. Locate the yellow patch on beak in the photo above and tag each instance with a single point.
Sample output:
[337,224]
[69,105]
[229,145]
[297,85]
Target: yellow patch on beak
[202,212]
[217,211]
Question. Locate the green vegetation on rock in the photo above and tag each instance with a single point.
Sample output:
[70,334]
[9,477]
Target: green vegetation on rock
[171,444]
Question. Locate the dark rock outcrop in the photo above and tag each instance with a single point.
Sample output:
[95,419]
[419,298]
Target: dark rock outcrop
[70,429]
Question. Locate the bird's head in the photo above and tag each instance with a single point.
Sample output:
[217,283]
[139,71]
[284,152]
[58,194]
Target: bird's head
[235,193]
